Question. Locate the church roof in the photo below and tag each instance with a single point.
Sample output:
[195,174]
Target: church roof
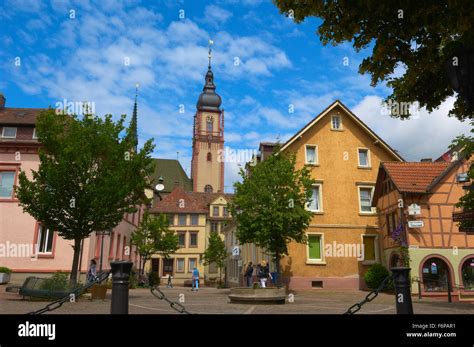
[209,100]
[172,173]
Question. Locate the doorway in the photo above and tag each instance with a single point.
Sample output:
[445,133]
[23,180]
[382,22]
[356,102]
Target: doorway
[168,266]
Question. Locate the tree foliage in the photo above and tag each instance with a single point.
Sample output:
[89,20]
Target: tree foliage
[216,252]
[88,176]
[154,236]
[466,202]
[419,36]
[269,204]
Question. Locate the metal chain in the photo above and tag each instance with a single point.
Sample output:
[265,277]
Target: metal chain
[369,297]
[76,293]
[173,304]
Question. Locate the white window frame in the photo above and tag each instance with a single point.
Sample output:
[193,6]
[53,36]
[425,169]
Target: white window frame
[320,191]
[35,137]
[369,163]
[372,188]
[49,234]
[376,249]
[340,122]
[9,137]
[322,260]
[184,265]
[316,162]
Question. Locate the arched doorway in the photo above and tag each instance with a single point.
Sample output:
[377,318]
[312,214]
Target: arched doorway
[467,273]
[436,275]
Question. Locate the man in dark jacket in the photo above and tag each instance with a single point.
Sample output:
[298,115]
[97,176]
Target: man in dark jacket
[248,274]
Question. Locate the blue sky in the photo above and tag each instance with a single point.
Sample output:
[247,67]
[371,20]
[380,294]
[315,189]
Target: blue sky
[280,64]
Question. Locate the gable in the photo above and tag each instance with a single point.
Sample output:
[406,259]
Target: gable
[322,121]
[219,201]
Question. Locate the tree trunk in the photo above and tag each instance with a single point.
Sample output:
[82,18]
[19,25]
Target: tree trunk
[75,260]
[220,277]
[277,260]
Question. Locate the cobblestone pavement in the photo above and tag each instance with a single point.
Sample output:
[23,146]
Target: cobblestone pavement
[215,301]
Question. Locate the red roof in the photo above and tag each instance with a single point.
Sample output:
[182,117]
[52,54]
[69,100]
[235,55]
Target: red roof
[180,201]
[11,115]
[414,177]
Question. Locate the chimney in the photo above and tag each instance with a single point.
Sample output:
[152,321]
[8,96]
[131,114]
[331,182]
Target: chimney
[426,160]
[2,101]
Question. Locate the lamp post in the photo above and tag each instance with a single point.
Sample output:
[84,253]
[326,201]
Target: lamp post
[102,234]
[460,71]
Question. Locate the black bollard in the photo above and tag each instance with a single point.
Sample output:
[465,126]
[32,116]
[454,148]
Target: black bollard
[120,280]
[401,282]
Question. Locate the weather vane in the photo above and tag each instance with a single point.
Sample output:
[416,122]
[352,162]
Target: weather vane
[210,52]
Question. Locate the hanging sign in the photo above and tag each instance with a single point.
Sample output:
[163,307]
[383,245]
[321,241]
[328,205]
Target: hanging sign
[416,224]
[414,210]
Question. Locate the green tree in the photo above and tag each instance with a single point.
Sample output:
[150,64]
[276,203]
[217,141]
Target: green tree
[466,202]
[89,176]
[420,36]
[216,253]
[269,205]
[154,236]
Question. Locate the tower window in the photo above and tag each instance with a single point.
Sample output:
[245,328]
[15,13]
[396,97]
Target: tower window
[209,125]
[208,188]
[209,156]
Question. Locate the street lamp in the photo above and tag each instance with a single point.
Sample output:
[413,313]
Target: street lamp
[460,72]
[102,234]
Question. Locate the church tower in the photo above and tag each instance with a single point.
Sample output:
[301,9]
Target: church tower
[207,164]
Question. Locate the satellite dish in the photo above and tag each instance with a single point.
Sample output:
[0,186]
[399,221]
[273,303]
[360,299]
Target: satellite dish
[159,187]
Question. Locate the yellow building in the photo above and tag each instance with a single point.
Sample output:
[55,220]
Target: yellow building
[343,155]
[193,216]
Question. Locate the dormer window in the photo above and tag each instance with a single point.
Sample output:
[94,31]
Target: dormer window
[9,132]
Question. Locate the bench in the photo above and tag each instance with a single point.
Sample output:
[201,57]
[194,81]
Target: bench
[32,288]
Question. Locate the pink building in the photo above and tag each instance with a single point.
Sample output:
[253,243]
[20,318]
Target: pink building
[25,246]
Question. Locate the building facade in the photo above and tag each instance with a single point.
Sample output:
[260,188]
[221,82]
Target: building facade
[193,216]
[417,200]
[343,155]
[26,246]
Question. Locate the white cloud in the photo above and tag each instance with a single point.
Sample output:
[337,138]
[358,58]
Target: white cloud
[216,15]
[425,136]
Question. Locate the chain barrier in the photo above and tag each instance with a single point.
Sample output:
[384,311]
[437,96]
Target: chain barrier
[369,297]
[73,294]
[173,304]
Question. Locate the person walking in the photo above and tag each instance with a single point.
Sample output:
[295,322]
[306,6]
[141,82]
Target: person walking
[248,274]
[262,273]
[92,272]
[195,279]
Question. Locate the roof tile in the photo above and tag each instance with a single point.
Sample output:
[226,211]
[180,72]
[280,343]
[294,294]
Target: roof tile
[414,176]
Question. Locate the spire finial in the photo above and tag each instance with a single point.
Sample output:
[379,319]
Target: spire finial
[210,53]
[134,121]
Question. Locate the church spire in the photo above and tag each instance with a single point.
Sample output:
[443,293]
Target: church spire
[209,100]
[134,121]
